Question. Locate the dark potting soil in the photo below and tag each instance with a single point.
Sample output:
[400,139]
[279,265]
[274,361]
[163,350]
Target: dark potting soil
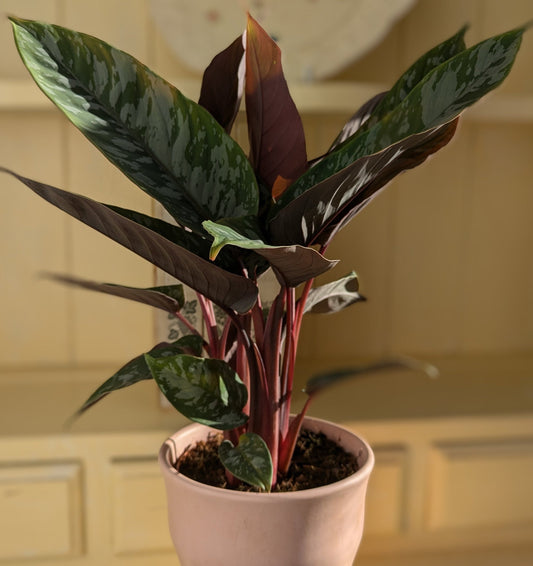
[317,461]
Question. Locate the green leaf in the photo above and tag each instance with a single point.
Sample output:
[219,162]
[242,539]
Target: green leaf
[223,288]
[277,140]
[250,460]
[137,370]
[436,100]
[321,381]
[416,73]
[169,298]
[335,296]
[204,390]
[171,147]
[292,264]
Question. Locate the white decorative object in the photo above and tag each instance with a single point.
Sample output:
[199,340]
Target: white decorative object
[318,38]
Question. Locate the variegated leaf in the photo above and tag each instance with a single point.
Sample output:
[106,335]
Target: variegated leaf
[335,296]
[250,460]
[204,390]
[168,145]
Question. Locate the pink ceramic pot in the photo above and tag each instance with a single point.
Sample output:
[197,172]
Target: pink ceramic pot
[217,527]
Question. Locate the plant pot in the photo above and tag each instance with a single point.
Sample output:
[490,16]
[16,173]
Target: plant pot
[316,527]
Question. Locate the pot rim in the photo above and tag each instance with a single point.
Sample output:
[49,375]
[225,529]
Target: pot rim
[168,448]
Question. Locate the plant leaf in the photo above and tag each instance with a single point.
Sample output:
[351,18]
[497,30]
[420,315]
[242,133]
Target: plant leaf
[223,84]
[204,390]
[168,145]
[277,141]
[169,298]
[335,296]
[324,380]
[436,100]
[223,288]
[416,72]
[137,370]
[293,264]
[250,460]
[320,212]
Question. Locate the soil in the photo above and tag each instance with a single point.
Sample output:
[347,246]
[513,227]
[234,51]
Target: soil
[317,461]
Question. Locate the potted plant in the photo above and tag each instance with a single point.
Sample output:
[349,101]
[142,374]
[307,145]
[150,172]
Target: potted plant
[235,217]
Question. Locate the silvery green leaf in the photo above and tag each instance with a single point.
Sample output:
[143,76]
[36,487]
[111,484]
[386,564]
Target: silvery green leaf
[137,370]
[250,460]
[168,145]
[204,390]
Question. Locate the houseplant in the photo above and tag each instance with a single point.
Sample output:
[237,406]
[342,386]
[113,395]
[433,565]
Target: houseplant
[235,217]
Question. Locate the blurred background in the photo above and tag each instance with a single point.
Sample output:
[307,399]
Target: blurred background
[443,257]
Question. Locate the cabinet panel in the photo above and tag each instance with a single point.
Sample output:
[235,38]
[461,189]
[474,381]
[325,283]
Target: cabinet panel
[385,497]
[139,507]
[40,510]
[481,485]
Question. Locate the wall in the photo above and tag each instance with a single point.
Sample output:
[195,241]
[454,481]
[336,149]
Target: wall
[443,255]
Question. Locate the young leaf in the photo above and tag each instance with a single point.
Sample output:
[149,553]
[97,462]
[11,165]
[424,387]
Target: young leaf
[293,264]
[137,370]
[204,390]
[169,298]
[277,141]
[223,288]
[168,145]
[250,460]
[223,84]
[324,380]
[335,296]
[436,100]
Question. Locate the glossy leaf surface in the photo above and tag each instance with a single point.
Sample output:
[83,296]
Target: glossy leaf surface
[277,141]
[437,99]
[205,390]
[168,145]
[224,288]
[293,264]
[169,298]
[137,370]
[250,460]
[320,212]
[335,296]
[223,84]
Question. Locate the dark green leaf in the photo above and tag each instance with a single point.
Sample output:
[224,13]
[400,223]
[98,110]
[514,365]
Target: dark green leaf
[277,140]
[168,145]
[223,288]
[405,84]
[250,460]
[324,380]
[223,84]
[320,212]
[292,264]
[437,99]
[136,370]
[169,298]
[205,390]
[335,296]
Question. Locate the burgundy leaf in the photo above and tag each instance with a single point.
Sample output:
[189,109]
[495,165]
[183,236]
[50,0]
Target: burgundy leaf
[223,288]
[277,141]
[223,84]
[168,298]
[321,211]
